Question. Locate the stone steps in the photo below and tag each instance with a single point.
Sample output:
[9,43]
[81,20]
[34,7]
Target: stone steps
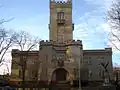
[61,85]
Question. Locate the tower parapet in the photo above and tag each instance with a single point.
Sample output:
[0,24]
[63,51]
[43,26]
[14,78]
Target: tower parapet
[54,43]
[61,2]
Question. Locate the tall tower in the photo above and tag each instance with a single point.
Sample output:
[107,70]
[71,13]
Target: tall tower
[61,27]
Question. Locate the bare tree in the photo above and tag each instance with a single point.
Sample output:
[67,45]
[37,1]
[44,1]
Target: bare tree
[106,72]
[113,19]
[25,42]
[6,41]
[105,65]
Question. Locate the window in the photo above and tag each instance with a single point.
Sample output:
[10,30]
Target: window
[81,61]
[100,57]
[33,61]
[34,74]
[53,57]
[90,73]
[60,15]
[62,56]
[89,57]
[20,73]
[89,62]
[100,73]
[103,74]
[75,72]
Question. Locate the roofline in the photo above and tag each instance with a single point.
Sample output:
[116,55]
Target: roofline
[98,51]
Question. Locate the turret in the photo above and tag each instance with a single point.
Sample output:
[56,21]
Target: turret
[61,26]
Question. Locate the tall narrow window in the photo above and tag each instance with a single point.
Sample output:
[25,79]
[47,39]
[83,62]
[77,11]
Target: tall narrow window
[100,73]
[103,74]
[20,73]
[75,72]
[60,15]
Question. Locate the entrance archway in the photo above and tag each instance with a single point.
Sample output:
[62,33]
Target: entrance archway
[59,74]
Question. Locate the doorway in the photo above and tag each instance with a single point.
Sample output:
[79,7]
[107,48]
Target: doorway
[59,74]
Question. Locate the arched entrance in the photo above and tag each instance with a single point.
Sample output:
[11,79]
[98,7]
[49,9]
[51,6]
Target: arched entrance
[59,74]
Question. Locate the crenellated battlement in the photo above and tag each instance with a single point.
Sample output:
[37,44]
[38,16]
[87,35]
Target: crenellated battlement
[61,2]
[54,43]
[108,49]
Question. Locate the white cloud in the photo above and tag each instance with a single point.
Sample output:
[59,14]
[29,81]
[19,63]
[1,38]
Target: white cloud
[85,46]
[80,32]
[93,23]
[90,22]
[102,3]
[105,27]
[97,2]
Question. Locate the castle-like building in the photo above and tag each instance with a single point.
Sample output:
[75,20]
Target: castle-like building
[62,58]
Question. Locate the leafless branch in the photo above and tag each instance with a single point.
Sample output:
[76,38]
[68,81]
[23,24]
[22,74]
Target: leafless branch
[104,65]
[25,41]
[114,45]
[15,62]
[4,21]
[113,19]
[6,41]
[117,37]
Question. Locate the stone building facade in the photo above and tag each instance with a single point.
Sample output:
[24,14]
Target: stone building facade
[94,58]
[116,72]
[52,63]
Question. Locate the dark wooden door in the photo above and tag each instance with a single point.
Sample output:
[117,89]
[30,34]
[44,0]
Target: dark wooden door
[61,74]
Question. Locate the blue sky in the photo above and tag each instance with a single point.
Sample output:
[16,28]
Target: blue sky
[88,17]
